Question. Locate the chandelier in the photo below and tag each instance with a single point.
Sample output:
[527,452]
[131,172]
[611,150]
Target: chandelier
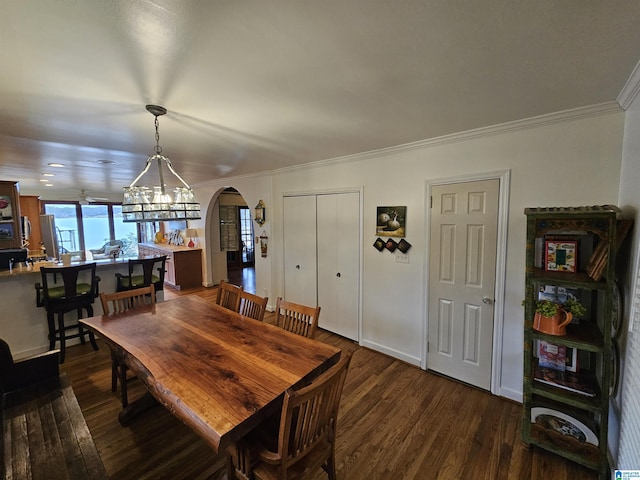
[152,204]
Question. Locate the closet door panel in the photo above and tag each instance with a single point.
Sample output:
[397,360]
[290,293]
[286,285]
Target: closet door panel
[338,244]
[300,273]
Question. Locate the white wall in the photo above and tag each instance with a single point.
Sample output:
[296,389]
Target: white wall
[571,162]
[626,411]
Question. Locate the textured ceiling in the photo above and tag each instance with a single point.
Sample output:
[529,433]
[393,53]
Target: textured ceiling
[252,85]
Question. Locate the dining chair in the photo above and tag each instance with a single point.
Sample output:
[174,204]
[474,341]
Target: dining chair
[229,295]
[297,318]
[64,290]
[301,440]
[143,272]
[252,306]
[121,302]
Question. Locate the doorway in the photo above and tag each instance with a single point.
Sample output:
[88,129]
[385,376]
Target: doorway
[238,236]
[465,278]
[236,239]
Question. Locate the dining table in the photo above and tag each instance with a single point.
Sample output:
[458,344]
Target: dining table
[219,372]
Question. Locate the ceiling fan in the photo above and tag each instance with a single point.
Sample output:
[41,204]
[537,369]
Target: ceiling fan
[85,199]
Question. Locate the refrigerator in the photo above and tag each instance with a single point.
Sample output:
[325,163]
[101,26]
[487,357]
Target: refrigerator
[25,226]
[49,235]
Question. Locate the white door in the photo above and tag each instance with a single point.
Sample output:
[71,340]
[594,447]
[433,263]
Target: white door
[338,223]
[300,274]
[462,266]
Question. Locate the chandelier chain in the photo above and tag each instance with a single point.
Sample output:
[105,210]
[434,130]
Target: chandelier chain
[158,148]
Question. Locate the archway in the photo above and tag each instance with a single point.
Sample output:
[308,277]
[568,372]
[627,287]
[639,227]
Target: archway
[232,240]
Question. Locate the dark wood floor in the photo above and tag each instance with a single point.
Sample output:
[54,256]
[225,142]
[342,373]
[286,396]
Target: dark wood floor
[396,422]
[244,276]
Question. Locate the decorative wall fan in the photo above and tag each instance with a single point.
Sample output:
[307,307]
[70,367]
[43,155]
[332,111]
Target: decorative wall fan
[85,199]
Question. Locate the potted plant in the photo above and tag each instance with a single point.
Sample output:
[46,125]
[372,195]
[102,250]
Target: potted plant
[575,307]
[552,318]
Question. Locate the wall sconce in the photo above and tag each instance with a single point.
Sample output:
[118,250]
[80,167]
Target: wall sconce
[264,243]
[260,215]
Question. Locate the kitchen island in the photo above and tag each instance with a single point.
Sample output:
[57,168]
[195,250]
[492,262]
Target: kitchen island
[184,264]
[23,325]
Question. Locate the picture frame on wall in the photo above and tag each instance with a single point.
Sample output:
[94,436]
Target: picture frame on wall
[6,212]
[404,246]
[6,231]
[391,245]
[379,244]
[391,221]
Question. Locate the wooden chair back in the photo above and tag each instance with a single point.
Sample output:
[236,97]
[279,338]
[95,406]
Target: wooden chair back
[305,436]
[252,305]
[297,318]
[229,295]
[119,302]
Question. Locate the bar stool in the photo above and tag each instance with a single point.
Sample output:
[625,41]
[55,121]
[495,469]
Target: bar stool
[63,290]
[141,274]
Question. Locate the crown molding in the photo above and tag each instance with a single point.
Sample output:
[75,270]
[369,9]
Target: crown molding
[580,113]
[630,89]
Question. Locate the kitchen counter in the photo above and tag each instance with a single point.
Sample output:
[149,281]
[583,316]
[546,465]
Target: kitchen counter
[23,325]
[168,248]
[35,268]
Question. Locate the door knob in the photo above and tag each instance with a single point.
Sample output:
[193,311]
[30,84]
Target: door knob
[487,300]
[298,267]
[338,275]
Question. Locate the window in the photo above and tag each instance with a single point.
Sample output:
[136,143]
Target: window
[246,235]
[127,232]
[95,222]
[89,227]
[66,227]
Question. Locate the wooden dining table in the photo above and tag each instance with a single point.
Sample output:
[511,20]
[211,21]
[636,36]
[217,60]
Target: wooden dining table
[219,372]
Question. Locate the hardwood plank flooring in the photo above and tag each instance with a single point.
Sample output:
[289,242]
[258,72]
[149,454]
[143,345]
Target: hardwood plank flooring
[396,422]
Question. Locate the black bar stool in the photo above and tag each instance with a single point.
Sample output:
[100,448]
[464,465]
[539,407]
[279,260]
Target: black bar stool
[142,274]
[63,290]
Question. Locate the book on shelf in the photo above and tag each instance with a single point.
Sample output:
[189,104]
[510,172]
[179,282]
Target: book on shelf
[538,252]
[600,257]
[571,362]
[561,256]
[584,242]
[557,294]
[566,380]
[552,356]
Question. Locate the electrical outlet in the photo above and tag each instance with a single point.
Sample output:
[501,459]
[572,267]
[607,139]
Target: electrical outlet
[402,258]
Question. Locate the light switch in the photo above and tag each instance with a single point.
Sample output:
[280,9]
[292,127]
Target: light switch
[402,258]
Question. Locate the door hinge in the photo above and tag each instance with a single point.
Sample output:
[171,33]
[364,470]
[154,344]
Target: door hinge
[430,201]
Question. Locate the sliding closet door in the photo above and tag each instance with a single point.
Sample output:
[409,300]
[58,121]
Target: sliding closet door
[300,274]
[338,244]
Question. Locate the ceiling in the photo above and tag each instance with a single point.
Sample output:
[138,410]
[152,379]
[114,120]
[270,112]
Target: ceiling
[253,86]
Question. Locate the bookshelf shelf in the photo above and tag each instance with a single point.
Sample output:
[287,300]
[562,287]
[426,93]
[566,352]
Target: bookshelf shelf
[575,403]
